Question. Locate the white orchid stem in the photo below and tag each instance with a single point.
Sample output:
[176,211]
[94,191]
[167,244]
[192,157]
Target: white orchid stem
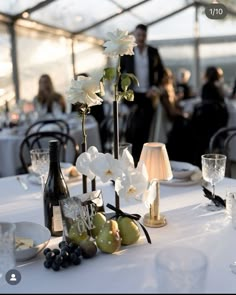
[117,80]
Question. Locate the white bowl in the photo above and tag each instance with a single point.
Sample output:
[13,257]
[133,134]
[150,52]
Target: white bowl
[38,233]
[182,169]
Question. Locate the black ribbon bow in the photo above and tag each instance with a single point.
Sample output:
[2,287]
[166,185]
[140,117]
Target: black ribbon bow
[135,217]
[217,200]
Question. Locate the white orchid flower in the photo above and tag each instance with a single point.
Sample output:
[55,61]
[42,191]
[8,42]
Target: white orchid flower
[82,162]
[83,90]
[127,161]
[150,194]
[119,43]
[106,167]
[133,183]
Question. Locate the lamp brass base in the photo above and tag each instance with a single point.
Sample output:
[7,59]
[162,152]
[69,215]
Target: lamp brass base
[154,222]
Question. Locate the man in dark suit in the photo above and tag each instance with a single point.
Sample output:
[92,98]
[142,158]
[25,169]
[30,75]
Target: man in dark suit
[147,66]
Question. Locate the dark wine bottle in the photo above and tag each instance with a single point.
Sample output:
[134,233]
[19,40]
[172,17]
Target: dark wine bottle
[54,191]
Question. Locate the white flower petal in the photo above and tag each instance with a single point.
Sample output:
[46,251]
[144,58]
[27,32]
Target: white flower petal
[82,165]
[132,185]
[93,151]
[106,167]
[127,161]
[120,43]
[150,194]
[83,90]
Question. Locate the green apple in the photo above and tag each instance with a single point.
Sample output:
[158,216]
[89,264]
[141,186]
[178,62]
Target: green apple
[98,221]
[108,239]
[129,230]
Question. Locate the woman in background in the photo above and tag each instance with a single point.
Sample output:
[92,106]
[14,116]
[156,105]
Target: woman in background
[167,109]
[47,99]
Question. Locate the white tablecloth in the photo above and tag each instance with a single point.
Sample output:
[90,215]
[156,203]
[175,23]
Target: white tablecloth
[131,270]
[10,144]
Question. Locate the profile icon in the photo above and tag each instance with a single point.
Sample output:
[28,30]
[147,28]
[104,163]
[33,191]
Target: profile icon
[13,277]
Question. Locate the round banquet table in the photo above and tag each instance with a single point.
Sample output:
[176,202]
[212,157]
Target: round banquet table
[132,269]
[11,138]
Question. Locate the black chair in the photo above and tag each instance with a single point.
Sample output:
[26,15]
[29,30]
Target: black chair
[68,146]
[220,143]
[208,117]
[57,124]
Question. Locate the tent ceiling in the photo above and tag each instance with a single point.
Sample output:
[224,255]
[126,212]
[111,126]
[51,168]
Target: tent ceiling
[96,17]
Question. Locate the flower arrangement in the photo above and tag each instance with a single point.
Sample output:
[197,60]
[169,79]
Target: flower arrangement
[130,181]
[84,90]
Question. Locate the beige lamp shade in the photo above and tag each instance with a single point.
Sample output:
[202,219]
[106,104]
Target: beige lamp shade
[155,157]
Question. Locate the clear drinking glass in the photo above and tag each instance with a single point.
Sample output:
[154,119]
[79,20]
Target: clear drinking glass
[7,248]
[181,270]
[40,163]
[123,146]
[231,211]
[213,169]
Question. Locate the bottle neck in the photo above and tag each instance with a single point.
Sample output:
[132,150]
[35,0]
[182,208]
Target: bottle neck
[54,158]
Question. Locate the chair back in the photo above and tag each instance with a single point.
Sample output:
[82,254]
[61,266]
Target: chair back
[220,143]
[69,149]
[48,125]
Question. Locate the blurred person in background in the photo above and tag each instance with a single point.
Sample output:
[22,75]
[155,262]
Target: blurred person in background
[233,94]
[48,100]
[147,66]
[221,83]
[212,89]
[167,108]
[182,85]
[190,136]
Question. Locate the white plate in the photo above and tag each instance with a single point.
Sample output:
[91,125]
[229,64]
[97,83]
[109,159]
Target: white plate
[64,166]
[180,182]
[38,233]
[35,179]
[182,170]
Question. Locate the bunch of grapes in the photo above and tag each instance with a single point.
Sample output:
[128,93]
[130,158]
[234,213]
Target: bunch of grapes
[68,254]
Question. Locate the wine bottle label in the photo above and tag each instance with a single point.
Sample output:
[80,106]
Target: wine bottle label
[57,219]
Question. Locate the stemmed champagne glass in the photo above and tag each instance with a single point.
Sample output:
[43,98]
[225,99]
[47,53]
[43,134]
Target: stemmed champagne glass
[40,163]
[213,169]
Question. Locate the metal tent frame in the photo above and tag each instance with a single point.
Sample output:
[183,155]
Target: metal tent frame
[21,19]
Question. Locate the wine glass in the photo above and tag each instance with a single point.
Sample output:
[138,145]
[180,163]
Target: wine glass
[40,163]
[213,171]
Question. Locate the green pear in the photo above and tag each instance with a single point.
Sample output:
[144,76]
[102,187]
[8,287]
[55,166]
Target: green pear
[75,236]
[98,221]
[108,239]
[88,249]
[129,231]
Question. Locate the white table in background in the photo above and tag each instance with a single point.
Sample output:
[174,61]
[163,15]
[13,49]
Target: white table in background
[10,142]
[131,270]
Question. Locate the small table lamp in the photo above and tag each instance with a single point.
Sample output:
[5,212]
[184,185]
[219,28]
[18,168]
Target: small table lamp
[156,159]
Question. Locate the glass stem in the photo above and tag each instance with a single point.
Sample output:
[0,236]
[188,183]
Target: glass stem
[213,191]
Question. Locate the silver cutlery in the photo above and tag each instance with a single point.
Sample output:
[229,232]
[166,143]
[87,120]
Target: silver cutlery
[22,183]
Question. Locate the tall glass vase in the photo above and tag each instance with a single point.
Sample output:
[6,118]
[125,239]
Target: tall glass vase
[84,146]
[116,143]
[84,177]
